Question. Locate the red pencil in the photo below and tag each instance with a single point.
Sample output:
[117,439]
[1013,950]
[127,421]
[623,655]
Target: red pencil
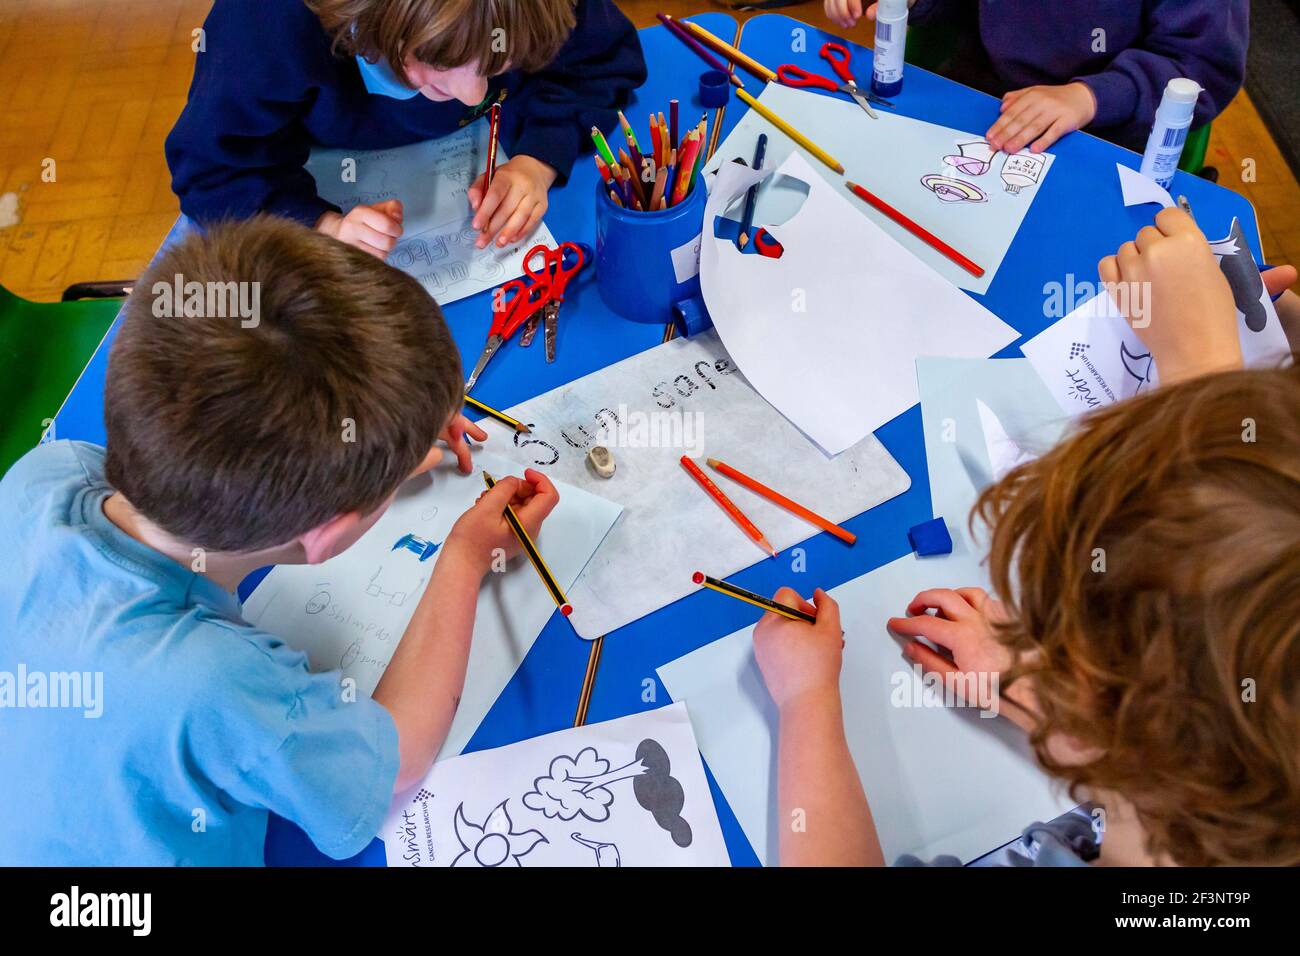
[686,167]
[728,506]
[775,496]
[919,231]
[494,136]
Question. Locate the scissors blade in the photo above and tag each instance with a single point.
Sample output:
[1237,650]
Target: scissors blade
[552,325]
[529,333]
[493,343]
[860,98]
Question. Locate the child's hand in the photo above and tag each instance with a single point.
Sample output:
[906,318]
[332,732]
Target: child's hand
[963,625]
[1168,284]
[799,659]
[846,13]
[1041,115]
[515,204]
[483,530]
[373,229]
[454,437]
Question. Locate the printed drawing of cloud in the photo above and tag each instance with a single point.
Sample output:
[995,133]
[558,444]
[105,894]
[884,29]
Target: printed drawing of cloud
[660,792]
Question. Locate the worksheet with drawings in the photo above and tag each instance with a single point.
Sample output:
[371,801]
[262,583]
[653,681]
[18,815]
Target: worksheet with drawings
[432,180]
[626,792]
[684,397]
[349,613]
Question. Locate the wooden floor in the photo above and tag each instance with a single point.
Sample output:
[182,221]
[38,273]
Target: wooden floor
[89,89]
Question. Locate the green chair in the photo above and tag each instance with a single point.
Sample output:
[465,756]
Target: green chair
[931,47]
[43,349]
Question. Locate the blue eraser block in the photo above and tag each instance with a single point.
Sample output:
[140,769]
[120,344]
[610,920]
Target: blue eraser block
[930,538]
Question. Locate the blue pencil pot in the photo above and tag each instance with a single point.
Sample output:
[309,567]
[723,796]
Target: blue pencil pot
[647,261]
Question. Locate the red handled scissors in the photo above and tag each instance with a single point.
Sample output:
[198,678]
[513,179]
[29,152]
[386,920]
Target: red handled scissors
[512,305]
[840,59]
[558,268]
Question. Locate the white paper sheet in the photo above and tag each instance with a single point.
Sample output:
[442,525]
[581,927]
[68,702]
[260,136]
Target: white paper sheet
[684,397]
[628,792]
[432,180]
[938,780]
[829,332]
[1003,450]
[946,179]
[1093,358]
[350,612]
[1139,190]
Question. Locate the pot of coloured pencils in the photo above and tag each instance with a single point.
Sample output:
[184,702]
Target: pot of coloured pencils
[648,261]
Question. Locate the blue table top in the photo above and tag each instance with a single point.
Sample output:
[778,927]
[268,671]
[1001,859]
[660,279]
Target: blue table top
[1076,219]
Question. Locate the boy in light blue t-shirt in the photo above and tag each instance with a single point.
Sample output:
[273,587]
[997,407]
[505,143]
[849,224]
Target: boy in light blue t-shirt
[143,721]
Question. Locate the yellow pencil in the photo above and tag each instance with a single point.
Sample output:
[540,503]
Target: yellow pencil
[784,126]
[729,51]
[535,556]
[502,417]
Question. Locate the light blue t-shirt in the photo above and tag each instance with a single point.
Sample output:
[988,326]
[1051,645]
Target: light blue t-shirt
[141,720]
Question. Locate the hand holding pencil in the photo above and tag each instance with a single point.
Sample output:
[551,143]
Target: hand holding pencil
[483,531]
[800,661]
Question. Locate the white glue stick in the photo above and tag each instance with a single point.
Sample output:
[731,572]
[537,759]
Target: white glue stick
[891,45]
[1173,119]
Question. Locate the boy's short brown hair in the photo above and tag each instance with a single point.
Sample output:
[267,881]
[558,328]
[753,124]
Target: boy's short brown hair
[1151,564]
[496,34]
[235,433]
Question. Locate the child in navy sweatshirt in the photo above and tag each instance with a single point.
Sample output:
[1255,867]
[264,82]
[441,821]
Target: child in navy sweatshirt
[275,78]
[1103,64]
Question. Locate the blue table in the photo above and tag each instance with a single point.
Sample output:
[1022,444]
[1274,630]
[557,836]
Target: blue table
[1076,219]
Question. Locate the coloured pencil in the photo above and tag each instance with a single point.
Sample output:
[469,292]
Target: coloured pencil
[661,181]
[654,142]
[602,147]
[728,506]
[674,109]
[751,198]
[686,168]
[676,29]
[775,496]
[749,597]
[728,51]
[915,229]
[535,556]
[784,126]
[502,417]
[494,138]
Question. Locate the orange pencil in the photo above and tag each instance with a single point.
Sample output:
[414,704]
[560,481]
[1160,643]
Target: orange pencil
[687,168]
[775,496]
[728,506]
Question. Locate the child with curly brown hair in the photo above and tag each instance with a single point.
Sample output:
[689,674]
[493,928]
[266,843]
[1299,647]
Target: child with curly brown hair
[1161,685]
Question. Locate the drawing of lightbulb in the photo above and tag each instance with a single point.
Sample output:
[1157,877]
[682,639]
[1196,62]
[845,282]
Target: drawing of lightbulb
[1021,170]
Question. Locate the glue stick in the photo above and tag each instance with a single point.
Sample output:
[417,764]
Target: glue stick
[1173,119]
[891,45]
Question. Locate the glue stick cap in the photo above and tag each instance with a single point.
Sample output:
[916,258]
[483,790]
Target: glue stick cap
[1182,90]
[889,9]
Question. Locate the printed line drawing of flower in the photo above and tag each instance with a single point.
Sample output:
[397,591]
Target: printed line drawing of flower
[494,843]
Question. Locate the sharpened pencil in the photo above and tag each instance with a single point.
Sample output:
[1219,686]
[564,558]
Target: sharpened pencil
[535,556]
[777,498]
[728,506]
[749,597]
[502,417]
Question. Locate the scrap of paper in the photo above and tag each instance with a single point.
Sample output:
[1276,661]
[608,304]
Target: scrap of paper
[829,332]
[1139,190]
[349,613]
[432,180]
[947,180]
[684,397]
[628,792]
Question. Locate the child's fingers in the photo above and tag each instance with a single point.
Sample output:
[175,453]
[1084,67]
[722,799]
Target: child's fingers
[475,431]
[952,604]
[460,448]
[367,247]
[393,209]
[541,503]
[1054,132]
[475,194]
[1011,123]
[491,202]
[930,660]
[500,215]
[534,218]
[975,597]
[1108,269]
[936,630]
[792,598]
[828,611]
[514,226]
[1173,221]
[374,238]
[1147,237]
[377,220]
[1027,131]
[1278,279]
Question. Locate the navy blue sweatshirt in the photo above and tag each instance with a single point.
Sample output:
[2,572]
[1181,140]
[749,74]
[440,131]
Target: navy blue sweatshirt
[267,89]
[1147,43]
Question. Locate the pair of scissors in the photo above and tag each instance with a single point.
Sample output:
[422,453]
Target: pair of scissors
[512,306]
[558,268]
[838,56]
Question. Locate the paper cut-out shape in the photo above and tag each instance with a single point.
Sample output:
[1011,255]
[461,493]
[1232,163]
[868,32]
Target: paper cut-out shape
[1238,267]
[953,190]
[1023,170]
[972,159]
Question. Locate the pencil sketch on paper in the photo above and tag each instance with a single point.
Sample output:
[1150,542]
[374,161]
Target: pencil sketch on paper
[580,786]
[948,189]
[606,853]
[972,159]
[495,842]
[320,600]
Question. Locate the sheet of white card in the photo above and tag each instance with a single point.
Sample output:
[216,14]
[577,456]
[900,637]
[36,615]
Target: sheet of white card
[432,180]
[627,792]
[829,332]
[683,397]
[939,781]
[350,612]
[948,180]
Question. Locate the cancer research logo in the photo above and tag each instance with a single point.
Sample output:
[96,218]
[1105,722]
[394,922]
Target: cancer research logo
[1084,382]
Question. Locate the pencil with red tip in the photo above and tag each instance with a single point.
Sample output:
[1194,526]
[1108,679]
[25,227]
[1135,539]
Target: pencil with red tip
[915,229]
[777,498]
[728,506]
[749,597]
[535,556]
